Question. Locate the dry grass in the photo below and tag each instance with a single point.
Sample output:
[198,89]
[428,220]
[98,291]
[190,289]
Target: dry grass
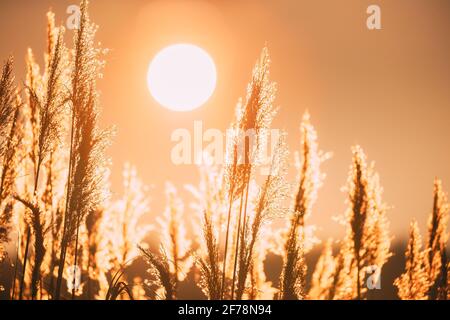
[209,267]
[426,271]
[160,271]
[7,96]
[268,206]
[322,279]
[437,243]
[310,180]
[414,283]
[87,141]
[9,111]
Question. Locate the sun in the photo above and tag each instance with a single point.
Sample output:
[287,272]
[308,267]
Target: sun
[182,77]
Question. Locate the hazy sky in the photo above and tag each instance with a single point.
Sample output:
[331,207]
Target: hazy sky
[387,90]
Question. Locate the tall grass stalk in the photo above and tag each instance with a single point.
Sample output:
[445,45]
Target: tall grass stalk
[9,111]
[437,243]
[87,143]
[269,205]
[413,284]
[48,132]
[310,180]
[254,118]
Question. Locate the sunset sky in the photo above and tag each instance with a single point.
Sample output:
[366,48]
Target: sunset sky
[387,90]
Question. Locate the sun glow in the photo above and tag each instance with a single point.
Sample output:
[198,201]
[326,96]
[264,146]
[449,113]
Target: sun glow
[182,77]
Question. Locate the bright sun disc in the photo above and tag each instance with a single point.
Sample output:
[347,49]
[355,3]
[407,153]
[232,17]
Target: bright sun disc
[182,77]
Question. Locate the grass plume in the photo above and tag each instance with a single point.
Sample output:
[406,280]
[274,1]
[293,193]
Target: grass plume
[413,284]
[437,243]
[160,270]
[87,140]
[269,205]
[310,180]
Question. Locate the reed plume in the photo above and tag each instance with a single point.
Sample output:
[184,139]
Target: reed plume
[171,266]
[12,154]
[93,224]
[322,278]
[160,271]
[39,248]
[118,288]
[34,81]
[268,206]
[87,191]
[209,266]
[17,132]
[116,230]
[10,133]
[50,107]
[367,241]
[173,236]
[254,118]
[9,171]
[7,96]
[87,162]
[52,199]
[413,284]
[210,207]
[259,287]
[5,227]
[60,220]
[121,228]
[47,130]
[359,199]
[341,286]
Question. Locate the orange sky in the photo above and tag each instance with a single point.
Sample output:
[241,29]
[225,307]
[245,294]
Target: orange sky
[387,90]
